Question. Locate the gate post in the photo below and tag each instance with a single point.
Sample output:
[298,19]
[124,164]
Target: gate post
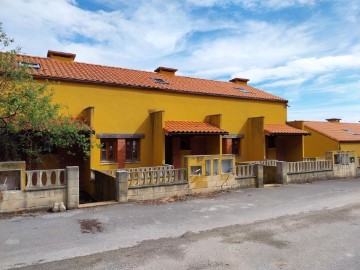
[259,173]
[72,179]
[121,185]
[281,172]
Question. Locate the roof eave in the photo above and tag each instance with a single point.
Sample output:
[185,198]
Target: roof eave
[286,134]
[196,133]
[42,77]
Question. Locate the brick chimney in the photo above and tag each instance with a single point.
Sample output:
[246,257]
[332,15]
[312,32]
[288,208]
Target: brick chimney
[333,120]
[240,81]
[62,56]
[166,70]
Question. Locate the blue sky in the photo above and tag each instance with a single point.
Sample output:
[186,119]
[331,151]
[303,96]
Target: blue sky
[307,51]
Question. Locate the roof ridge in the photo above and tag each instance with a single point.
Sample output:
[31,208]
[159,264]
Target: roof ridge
[114,75]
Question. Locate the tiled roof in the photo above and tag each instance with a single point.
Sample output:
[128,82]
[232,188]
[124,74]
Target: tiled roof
[346,132]
[283,129]
[55,69]
[191,127]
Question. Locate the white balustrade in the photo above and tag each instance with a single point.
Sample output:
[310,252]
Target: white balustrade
[112,172]
[42,179]
[156,177]
[243,171]
[309,166]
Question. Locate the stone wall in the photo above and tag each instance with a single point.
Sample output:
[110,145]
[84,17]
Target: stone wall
[200,183]
[308,177]
[42,193]
[345,171]
[157,192]
[338,171]
[28,200]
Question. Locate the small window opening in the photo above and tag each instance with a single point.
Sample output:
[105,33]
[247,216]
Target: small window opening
[30,65]
[159,80]
[243,90]
[349,131]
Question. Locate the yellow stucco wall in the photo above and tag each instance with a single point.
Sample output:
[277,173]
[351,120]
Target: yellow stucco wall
[294,148]
[255,138]
[349,146]
[120,110]
[317,144]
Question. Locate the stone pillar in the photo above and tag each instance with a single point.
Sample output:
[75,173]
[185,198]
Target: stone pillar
[121,186]
[281,172]
[72,178]
[259,173]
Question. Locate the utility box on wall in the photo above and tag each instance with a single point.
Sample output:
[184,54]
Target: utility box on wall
[342,157]
[12,175]
[10,179]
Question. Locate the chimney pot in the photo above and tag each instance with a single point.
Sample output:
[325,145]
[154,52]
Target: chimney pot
[239,80]
[166,70]
[62,56]
[333,120]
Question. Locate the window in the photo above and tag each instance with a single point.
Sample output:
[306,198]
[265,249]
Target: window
[108,147]
[159,80]
[132,150]
[242,90]
[231,146]
[349,131]
[30,65]
[236,146]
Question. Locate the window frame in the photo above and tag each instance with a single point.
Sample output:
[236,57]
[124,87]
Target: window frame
[106,145]
[131,159]
[234,151]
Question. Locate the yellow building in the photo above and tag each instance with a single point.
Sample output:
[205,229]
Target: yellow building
[152,118]
[329,136]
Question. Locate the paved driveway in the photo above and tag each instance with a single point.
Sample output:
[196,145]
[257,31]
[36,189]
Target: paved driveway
[313,226]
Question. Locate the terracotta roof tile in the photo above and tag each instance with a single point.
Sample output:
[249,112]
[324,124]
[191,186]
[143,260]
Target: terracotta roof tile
[74,71]
[346,132]
[190,127]
[283,129]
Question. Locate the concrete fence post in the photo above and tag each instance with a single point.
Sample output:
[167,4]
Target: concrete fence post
[121,186]
[281,172]
[259,173]
[72,178]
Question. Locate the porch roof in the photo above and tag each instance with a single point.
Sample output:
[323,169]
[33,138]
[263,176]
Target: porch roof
[192,127]
[283,129]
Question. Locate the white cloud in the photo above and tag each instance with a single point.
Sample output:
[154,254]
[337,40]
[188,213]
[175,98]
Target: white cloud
[304,68]
[252,4]
[292,58]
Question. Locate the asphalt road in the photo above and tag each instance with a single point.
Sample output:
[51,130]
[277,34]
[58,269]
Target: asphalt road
[314,226]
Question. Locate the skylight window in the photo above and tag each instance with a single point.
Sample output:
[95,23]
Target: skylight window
[242,90]
[30,65]
[349,131]
[159,80]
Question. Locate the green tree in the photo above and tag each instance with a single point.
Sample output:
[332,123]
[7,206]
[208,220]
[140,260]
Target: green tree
[30,123]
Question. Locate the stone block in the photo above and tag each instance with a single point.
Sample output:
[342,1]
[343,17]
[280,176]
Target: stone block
[13,195]
[17,205]
[133,192]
